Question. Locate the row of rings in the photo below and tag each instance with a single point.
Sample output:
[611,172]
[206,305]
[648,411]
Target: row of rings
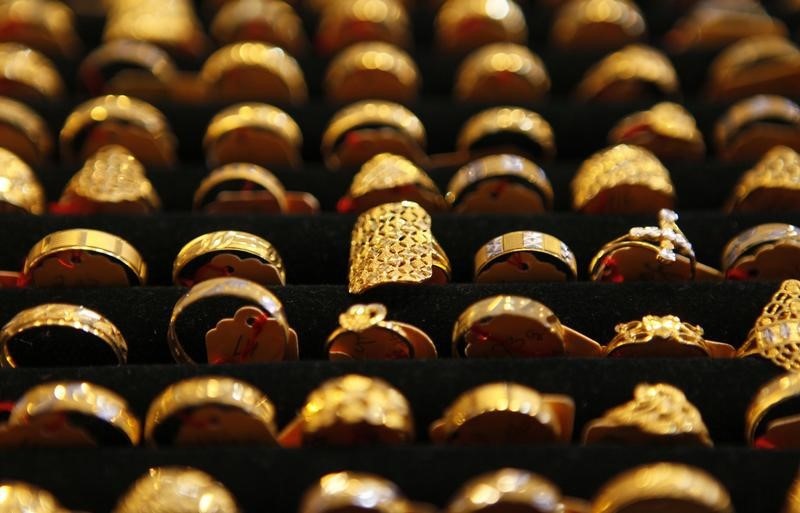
[354,410]
[460,25]
[499,326]
[269,136]
[678,486]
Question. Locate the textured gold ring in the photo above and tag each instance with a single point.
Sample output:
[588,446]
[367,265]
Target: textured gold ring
[507,488]
[464,25]
[24,132]
[176,489]
[228,253]
[504,72]
[772,185]
[597,24]
[342,24]
[666,129]
[356,490]
[20,190]
[210,409]
[660,336]
[129,67]
[510,130]
[26,74]
[775,336]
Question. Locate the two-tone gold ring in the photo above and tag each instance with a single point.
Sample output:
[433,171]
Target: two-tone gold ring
[525,256]
[763,252]
[753,126]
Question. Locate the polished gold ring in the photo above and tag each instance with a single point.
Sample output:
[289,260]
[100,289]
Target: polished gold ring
[261,192]
[256,133]
[129,67]
[764,426]
[110,181]
[666,129]
[257,332]
[764,252]
[20,190]
[751,127]
[504,72]
[176,489]
[342,24]
[659,336]
[228,253]
[364,129]
[118,119]
[253,20]
[212,409]
[525,256]
[83,257]
[597,24]
[505,413]
[26,74]
[464,25]
[24,132]
[365,334]
[509,130]
[255,71]
[516,326]
[59,315]
[47,400]
[657,414]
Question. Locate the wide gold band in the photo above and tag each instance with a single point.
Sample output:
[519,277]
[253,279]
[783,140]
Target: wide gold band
[272,22]
[513,120]
[211,391]
[228,241]
[147,69]
[754,244]
[276,75]
[227,287]
[372,70]
[506,170]
[772,394]
[19,187]
[43,25]
[666,129]
[484,75]
[240,172]
[657,413]
[66,316]
[24,132]
[176,489]
[507,488]
[111,181]
[344,23]
[680,486]
[558,260]
[357,490]
[464,25]
[151,139]
[393,243]
[595,24]
[754,125]
[32,75]
[468,419]
[634,63]
[117,250]
[77,397]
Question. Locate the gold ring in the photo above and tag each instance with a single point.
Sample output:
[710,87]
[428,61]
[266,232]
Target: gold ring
[240,188]
[714,25]
[515,326]
[364,129]
[507,489]
[24,132]
[597,25]
[767,423]
[372,70]
[757,65]
[502,72]
[118,119]
[26,74]
[208,410]
[365,334]
[252,20]
[507,130]
[751,127]
[255,133]
[525,256]
[51,317]
[393,243]
[48,27]
[764,252]
[84,258]
[502,183]
[505,413]
[129,67]
[657,414]
[659,336]
[258,331]
[388,178]
[176,489]
[171,25]
[342,24]
[111,181]
[776,333]
[228,253]
[56,403]
[770,186]
[354,410]
[622,179]
[20,496]
[255,71]
[464,25]
[663,485]
[630,74]
[20,190]
[667,130]
[352,490]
